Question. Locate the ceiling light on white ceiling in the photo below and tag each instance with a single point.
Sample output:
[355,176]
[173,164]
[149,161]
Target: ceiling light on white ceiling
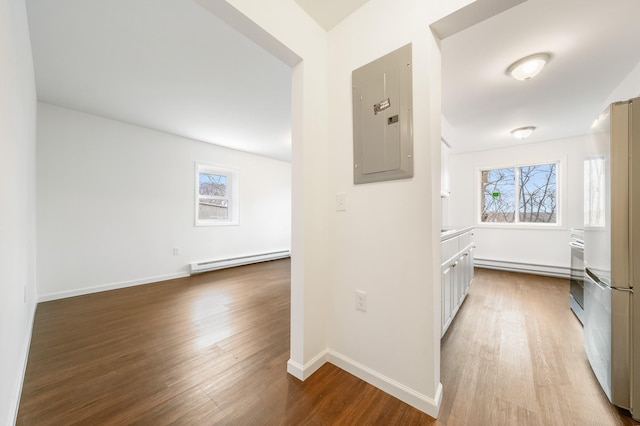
[529,67]
[523,132]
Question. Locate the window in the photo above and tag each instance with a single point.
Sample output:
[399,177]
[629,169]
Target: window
[216,196]
[594,196]
[533,189]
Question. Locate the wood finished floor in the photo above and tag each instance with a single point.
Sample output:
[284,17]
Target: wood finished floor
[514,356]
[212,349]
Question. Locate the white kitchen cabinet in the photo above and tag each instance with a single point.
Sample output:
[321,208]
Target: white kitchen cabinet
[456,272]
[447,285]
[461,277]
[469,265]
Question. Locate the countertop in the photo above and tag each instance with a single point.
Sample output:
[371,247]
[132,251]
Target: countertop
[453,231]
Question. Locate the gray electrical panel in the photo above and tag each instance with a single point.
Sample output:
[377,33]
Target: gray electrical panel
[382,118]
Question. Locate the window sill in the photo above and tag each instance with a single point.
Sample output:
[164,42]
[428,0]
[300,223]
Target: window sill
[520,226]
[206,224]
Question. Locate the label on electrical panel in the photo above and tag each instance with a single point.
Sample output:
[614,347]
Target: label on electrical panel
[379,107]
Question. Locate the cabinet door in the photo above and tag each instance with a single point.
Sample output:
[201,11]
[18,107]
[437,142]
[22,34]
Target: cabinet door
[446,279]
[458,283]
[464,274]
[471,267]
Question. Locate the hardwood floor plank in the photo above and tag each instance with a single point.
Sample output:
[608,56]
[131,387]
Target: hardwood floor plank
[213,348]
[515,356]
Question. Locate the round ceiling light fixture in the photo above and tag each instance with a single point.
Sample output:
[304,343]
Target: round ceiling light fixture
[523,132]
[528,67]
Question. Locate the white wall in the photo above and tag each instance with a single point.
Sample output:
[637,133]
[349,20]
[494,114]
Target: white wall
[627,89]
[522,246]
[548,247]
[114,199]
[395,258]
[383,243]
[387,243]
[396,344]
[18,207]
[285,21]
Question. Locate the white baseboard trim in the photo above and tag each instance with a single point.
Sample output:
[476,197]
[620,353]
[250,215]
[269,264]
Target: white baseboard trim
[212,265]
[25,357]
[302,372]
[106,287]
[422,402]
[527,268]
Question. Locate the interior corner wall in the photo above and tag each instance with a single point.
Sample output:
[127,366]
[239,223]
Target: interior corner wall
[285,21]
[396,344]
[520,246]
[114,199]
[387,240]
[17,192]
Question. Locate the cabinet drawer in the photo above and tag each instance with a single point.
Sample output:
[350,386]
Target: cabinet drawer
[464,240]
[449,249]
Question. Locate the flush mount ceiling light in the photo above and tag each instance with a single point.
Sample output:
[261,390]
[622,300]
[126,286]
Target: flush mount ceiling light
[523,132]
[529,67]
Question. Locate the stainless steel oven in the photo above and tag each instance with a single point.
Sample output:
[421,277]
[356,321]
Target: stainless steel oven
[576,282]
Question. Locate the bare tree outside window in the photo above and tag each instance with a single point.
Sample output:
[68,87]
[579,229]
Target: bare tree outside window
[532,188]
[216,195]
[212,184]
[538,193]
[498,195]
[213,200]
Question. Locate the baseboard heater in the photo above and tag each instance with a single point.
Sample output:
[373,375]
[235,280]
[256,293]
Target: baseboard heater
[212,265]
[527,268]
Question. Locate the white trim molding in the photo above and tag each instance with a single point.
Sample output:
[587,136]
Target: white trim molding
[303,372]
[527,268]
[23,361]
[112,286]
[422,402]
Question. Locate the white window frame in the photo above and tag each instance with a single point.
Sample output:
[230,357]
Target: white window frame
[561,202]
[232,195]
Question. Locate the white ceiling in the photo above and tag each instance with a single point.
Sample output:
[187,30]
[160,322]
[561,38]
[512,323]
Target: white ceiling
[173,66]
[166,65]
[328,13]
[594,45]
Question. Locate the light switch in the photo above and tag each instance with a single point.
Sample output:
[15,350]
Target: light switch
[341,202]
[361,300]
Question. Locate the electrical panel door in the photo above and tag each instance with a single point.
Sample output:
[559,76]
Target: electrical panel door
[382,118]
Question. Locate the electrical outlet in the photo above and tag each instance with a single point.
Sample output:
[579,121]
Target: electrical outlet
[361,300]
[176,251]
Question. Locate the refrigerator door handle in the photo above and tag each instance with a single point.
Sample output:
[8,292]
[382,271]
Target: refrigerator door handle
[602,285]
[595,279]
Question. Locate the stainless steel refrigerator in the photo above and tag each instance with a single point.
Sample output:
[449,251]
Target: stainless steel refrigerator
[612,253]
